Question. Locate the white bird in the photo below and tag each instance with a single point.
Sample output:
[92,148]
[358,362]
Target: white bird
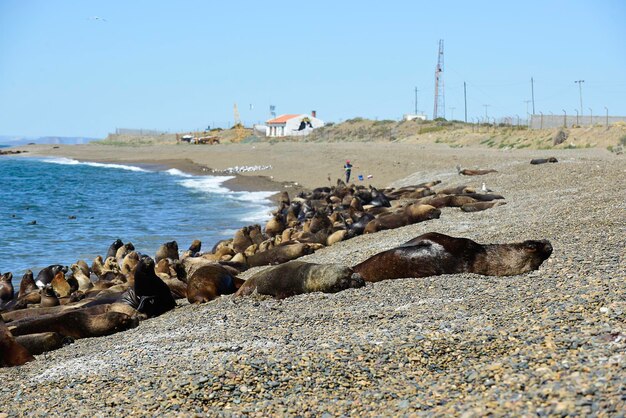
[97,18]
[484,188]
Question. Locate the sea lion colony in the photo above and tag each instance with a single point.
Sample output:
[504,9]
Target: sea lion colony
[115,293]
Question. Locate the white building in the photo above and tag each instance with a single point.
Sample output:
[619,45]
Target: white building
[408,116]
[293,125]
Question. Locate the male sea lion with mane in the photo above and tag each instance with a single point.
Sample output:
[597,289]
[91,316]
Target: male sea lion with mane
[433,254]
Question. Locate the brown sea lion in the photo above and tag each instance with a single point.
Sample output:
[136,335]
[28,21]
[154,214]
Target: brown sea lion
[84,267]
[97,266]
[298,277]
[7,292]
[433,254]
[280,254]
[467,172]
[75,324]
[167,250]
[443,201]
[48,297]
[124,250]
[275,226]
[210,281]
[43,342]
[544,160]
[241,239]
[60,285]
[256,234]
[411,214]
[130,262]
[479,206]
[195,246]
[27,285]
[12,353]
[84,283]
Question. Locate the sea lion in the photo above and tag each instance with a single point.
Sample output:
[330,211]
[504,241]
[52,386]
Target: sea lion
[84,267]
[479,206]
[195,246]
[280,254]
[130,262]
[544,160]
[124,250]
[27,285]
[467,172]
[84,283]
[48,297]
[46,274]
[241,239]
[12,353]
[410,215]
[113,248]
[153,295]
[6,287]
[210,281]
[275,226]
[76,324]
[433,254]
[60,285]
[443,201]
[298,277]
[43,342]
[167,250]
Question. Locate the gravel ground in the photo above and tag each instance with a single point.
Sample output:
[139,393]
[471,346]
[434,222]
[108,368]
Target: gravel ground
[548,343]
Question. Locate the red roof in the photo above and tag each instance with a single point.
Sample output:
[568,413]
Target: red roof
[282,118]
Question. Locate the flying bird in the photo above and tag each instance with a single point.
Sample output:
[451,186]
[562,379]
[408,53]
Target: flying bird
[97,18]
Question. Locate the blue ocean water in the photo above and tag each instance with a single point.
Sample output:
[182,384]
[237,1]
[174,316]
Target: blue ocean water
[110,201]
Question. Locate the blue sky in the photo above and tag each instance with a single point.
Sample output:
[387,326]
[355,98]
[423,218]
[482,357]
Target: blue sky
[182,65]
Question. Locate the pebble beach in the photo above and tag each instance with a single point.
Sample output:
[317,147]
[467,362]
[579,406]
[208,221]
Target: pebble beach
[548,343]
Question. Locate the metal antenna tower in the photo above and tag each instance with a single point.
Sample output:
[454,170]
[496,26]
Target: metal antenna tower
[440,97]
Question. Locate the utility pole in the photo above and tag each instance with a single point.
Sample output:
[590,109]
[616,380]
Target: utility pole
[607,117]
[576,116]
[564,118]
[591,116]
[532,92]
[486,116]
[416,90]
[465,98]
[580,91]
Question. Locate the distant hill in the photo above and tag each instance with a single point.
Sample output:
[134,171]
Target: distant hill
[12,140]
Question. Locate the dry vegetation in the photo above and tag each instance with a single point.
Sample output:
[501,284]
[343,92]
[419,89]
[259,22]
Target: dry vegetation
[455,134]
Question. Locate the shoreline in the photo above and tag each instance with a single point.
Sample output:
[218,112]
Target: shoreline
[446,345]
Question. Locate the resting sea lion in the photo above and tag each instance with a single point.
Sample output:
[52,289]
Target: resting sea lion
[76,324]
[279,255]
[43,342]
[467,172]
[209,281]
[410,215]
[12,353]
[433,254]
[478,206]
[298,277]
[544,160]
[6,287]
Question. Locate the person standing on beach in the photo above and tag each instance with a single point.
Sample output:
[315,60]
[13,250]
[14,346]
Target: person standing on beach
[348,168]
